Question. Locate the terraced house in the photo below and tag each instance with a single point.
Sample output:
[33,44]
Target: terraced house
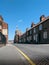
[3,31]
[38,33]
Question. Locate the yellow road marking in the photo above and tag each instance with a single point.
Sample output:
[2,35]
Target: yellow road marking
[27,58]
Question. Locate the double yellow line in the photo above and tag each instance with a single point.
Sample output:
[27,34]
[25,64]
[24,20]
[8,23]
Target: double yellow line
[27,58]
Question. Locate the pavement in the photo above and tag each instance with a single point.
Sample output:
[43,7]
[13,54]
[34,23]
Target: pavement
[24,54]
[1,45]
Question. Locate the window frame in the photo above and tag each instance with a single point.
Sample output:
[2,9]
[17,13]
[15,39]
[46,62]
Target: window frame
[34,30]
[5,31]
[40,27]
[45,34]
[0,26]
[35,37]
[30,32]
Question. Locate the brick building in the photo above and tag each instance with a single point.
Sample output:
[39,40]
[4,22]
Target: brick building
[38,33]
[17,36]
[3,31]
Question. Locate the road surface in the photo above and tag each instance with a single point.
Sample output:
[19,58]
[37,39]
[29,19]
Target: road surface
[24,54]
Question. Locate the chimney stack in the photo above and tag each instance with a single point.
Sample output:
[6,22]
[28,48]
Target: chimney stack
[32,25]
[42,18]
[27,29]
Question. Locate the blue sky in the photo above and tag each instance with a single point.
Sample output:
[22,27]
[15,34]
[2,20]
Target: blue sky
[22,13]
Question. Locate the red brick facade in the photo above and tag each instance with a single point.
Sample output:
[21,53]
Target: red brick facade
[3,30]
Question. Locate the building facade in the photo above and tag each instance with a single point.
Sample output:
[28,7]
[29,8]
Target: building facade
[3,31]
[38,33]
[17,37]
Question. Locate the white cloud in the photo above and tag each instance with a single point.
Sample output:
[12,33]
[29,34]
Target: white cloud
[20,20]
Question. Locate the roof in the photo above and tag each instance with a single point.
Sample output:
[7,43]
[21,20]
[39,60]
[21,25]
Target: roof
[37,24]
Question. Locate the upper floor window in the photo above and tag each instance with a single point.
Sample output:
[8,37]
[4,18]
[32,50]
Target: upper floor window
[40,27]
[27,32]
[24,35]
[5,31]
[34,37]
[45,35]
[30,31]
[34,30]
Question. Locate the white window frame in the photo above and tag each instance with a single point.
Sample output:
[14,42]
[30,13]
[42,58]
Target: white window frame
[45,34]
[35,37]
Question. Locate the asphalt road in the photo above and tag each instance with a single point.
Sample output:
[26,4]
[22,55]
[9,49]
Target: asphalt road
[39,54]
[24,54]
[9,55]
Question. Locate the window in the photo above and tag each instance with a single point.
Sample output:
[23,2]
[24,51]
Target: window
[0,38]
[27,33]
[24,39]
[30,37]
[40,27]
[30,31]
[0,27]
[34,30]
[5,31]
[45,35]
[27,38]
[34,37]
